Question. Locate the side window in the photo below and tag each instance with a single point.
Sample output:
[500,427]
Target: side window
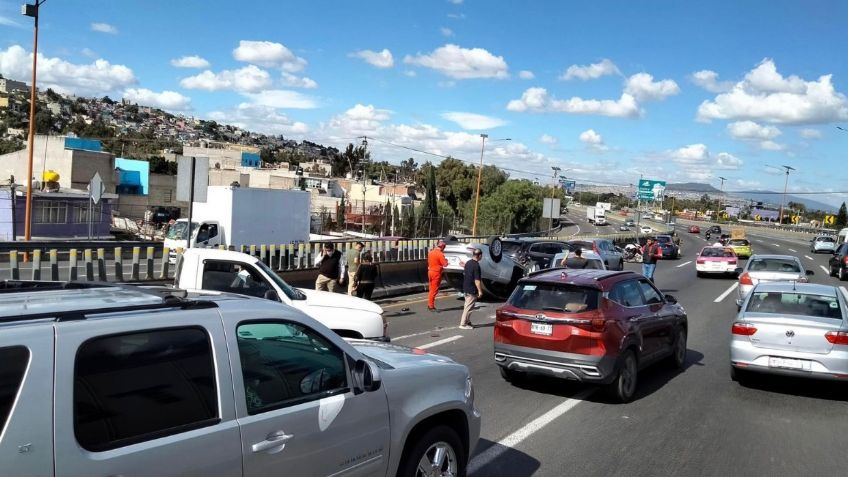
[233,277]
[284,364]
[139,386]
[537,248]
[627,294]
[213,230]
[13,365]
[650,293]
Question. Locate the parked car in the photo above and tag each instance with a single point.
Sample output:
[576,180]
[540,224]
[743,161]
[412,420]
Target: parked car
[694,229]
[769,268]
[593,326]
[823,243]
[613,259]
[742,247]
[532,253]
[838,263]
[593,260]
[791,329]
[118,380]
[499,273]
[716,260]
[668,247]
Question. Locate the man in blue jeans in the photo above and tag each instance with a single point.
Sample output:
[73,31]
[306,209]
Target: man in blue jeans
[649,258]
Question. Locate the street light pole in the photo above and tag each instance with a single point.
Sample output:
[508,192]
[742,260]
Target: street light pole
[31,10]
[556,170]
[785,186]
[720,195]
[479,179]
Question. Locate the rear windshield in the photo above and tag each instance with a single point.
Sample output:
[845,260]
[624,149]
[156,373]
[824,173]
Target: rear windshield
[551,297]
[663,238]
[583,245]
[778,303]
[739,242]
[510,248]
[716,252]
[825,239]
[784,265]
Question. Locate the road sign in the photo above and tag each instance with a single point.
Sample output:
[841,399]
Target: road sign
[95,188]
[829,219]
[184,179]
[550,208]
[650,189]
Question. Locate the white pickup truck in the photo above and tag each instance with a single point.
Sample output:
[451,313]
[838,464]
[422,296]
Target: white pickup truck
[234,272]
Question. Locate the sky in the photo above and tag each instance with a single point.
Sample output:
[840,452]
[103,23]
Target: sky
[605,90]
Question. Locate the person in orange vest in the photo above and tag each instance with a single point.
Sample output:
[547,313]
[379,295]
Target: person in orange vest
[436,261]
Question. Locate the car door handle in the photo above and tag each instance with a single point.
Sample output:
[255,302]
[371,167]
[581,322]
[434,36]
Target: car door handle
[275,440]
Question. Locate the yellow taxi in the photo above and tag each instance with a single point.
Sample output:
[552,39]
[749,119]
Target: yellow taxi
[740,245]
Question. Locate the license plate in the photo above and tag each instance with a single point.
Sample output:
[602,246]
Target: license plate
[541,329]
[789,363]
[453,260]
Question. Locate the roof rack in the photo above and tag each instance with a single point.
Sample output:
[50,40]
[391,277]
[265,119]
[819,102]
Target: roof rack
[16,286]
[77,315]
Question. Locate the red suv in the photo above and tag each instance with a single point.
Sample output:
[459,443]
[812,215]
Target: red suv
[594,326]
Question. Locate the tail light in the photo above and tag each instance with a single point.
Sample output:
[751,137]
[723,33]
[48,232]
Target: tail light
[595,325]
[743,329]
[837,337]
[732,262]
[845,260]
[595,249]
[700,262]
[745,279]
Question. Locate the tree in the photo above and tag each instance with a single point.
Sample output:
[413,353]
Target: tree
[407,170]
[396,220]
[429,208]
[340,213]
[515,207]
[842,217]
[349,161]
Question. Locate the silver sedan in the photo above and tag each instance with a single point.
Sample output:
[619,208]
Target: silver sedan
[795,329]
[769,268]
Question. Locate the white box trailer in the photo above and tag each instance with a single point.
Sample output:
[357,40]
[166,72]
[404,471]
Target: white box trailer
[596,215]
[234,216]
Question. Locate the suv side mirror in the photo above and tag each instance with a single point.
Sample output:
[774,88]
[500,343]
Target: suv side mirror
[366,377]
[810,272]
[271,295]
[670,299]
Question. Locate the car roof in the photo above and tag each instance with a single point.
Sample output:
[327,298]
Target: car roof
[774,257]
[797,287]
[584,277]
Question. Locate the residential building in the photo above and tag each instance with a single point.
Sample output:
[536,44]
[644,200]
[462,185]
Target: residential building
[225,156]
[60,215]
[7,86]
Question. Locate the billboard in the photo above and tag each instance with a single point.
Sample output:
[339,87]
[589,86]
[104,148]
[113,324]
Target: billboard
[568,186]
[651,190]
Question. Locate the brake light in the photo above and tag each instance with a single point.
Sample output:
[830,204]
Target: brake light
[599,324]
[837,337]
[732,262]
[595,249]
[700,262]
[743,329]
[845,260]
[745,279]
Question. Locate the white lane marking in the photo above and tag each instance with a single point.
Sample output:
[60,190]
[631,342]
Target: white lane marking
[684,264]
[825,270]
[776,245]
[528,430]
[440,342]
[758,240]
[792,250]
[422,333]
[578,230]
[808,257]
[726,292]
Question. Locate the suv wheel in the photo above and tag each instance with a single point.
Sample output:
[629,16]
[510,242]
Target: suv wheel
[678,351]
[840,274]
[438,452]
[623,387]
[495,249]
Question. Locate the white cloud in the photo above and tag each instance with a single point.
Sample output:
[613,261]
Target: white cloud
[410,73]
[193,61]
[766,95]
[295,81]
[708,80]
[772,146]
[270,54]
[457,16]
[168,100]
[95,79]
[691,154]
[360,120]
[594,71]
[89,53]
[752,130]
[248,79]
[526,75]
[746,183]
[104,28]
[260,118]
[379,59]
[6,21]
[695,162]
[472,121]
[725,160]
[593,140]
[547,139]
[446,32]
[643,87]
[538,100]
[809,133]
[462,63]
[282,99]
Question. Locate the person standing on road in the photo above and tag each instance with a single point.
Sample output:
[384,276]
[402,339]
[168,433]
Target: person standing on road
[353,258]
[365,277]
[436,261]
[330,268]
[650,252]
[472,287]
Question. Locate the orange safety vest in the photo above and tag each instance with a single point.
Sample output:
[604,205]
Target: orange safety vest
[436,260]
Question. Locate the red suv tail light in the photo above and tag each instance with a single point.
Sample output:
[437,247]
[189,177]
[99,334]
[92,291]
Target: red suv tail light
[745,279]
[743,329]
[837,337]
[845,260]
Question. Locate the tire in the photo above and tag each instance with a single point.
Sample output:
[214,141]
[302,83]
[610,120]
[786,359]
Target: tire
[422,452]
[678,352]
[840,274]
[831,272]
[623,387]
[699,274]
[495,249]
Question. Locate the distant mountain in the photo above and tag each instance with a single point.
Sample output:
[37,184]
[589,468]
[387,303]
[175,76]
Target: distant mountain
[692,187]
[774,198]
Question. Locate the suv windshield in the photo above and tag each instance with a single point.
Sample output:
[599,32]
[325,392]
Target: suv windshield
[798,304]
[663,239]
[825,239]
[554,297]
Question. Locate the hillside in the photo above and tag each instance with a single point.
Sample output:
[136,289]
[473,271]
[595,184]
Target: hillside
[774,198]
[692,187]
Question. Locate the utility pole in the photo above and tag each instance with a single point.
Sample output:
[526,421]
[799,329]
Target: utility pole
[553,193]
[785,185]
[364,149]
[479,178]
[720,195]
[31,10]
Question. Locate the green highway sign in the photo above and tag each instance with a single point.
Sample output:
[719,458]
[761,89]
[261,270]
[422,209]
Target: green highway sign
[651,189]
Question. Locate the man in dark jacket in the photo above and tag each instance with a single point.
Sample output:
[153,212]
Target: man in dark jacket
[330,268]
[650,252]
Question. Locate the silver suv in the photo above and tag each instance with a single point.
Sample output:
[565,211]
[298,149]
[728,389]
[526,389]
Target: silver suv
[120,380]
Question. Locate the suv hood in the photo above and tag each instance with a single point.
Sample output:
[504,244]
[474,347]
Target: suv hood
[316,298]
[398,356]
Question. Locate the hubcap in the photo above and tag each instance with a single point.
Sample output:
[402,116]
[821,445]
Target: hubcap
[628,376]
[438,461]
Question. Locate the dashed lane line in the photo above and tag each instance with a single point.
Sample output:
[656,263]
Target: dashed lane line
[792,250]
[726,292]
[776,245]
[440,342]
[684,264]
[422,333]
[825,270]
[523,433]
[808,257]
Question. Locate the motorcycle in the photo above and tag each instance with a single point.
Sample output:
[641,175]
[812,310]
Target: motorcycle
[632,253]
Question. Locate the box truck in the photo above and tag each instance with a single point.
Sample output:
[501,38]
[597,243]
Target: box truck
[596,215]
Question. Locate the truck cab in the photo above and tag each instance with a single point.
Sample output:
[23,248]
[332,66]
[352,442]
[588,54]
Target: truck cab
[203,234]
[234,272]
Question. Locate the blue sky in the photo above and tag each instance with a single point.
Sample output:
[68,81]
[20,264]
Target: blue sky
[680,91]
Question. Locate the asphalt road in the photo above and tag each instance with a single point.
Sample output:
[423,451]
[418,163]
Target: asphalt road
[691,422]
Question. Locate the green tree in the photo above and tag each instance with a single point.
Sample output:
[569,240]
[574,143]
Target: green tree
[842,217]
[396,219]
[515,207]
[340,213]
[429,208]
[349,161]
[407,170]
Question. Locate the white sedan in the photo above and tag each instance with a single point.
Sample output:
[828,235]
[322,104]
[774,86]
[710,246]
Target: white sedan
[646,229]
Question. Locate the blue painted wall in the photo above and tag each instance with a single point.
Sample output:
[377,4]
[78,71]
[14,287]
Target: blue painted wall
[83,144]
[133,172]
[250,159]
